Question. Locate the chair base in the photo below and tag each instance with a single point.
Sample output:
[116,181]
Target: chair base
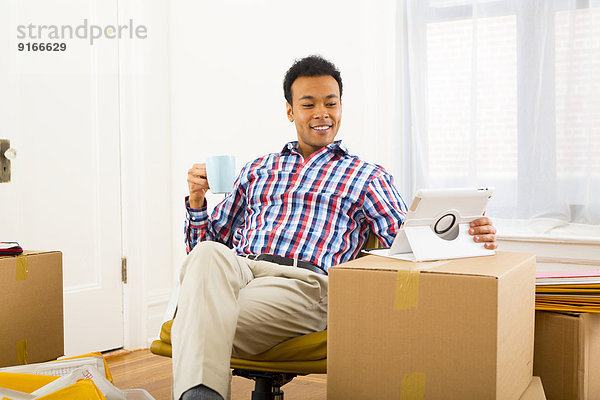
[268,384]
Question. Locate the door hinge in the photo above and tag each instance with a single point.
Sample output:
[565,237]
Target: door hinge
[124,269]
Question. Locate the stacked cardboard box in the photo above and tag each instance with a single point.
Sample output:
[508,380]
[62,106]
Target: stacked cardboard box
[31,308]
[457,329]
[567,355]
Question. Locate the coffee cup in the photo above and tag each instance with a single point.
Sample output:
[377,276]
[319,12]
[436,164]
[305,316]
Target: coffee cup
[220,172]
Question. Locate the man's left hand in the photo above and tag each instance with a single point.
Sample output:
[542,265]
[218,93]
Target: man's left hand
[484,231]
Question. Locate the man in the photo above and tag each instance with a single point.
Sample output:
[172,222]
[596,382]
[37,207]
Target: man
[312,205]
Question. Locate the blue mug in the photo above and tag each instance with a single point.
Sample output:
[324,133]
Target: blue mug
[220,172]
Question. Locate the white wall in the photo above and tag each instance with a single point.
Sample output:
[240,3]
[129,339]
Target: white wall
[228,59]
[208,80]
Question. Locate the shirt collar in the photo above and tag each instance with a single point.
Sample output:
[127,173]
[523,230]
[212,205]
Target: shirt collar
[292,147]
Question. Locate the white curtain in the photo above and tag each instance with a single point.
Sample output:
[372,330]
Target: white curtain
[505,93]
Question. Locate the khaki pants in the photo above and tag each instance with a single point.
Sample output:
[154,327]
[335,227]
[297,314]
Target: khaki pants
[232,305]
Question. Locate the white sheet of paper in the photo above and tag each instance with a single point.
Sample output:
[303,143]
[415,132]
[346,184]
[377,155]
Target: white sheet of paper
[405,257]
[386,253]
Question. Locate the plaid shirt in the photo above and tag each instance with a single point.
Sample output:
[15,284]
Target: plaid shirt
[320,209]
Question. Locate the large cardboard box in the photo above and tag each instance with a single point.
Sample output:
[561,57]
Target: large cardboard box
[567,355]
[461,329]
[31,308]
[535,390]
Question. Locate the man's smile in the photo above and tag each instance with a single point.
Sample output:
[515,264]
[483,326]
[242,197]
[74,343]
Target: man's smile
[321,128]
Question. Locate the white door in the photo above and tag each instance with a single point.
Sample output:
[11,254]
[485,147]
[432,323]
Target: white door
[60,111]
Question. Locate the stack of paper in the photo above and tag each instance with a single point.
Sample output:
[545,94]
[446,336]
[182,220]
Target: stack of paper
[572,291]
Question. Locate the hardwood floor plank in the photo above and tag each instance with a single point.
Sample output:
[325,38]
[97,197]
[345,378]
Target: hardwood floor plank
[144,370]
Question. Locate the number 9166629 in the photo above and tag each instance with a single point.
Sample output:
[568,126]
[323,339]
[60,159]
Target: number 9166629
[41,46]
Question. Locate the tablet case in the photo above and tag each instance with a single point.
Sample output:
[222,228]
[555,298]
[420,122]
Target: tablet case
[433,232]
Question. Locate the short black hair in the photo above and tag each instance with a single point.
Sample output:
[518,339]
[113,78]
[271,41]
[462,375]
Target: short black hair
[309,66]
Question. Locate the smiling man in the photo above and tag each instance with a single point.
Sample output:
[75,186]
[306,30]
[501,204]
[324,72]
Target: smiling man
[256,273]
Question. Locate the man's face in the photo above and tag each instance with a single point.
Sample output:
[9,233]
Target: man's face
[317,112]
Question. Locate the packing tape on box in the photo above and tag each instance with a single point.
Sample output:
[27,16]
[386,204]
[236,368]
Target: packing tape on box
[413,386]
[22,270]
[407,289]
[22,356]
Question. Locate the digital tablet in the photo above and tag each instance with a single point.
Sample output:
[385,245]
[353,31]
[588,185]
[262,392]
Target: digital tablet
[442,210]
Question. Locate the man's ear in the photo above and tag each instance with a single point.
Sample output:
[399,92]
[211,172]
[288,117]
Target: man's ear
[289,111]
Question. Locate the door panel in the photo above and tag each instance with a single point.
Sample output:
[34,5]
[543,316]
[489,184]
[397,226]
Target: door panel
[60,111]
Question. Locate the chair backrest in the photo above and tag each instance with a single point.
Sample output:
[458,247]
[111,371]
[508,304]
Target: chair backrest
[372,242]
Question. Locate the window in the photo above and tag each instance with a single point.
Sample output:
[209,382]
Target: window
[505,94]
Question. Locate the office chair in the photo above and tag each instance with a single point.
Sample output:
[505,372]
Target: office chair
[306,354]
[301,355]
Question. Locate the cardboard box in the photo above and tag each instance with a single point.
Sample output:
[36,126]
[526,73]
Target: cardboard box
[462,329]
[31,308]
[535,390]
[567,355]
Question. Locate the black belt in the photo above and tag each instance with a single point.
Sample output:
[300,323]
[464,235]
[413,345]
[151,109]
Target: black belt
[287,261]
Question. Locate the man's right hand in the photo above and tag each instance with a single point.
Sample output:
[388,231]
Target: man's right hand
[197,184]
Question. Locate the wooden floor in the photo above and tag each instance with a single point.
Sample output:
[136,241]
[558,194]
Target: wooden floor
[144,370]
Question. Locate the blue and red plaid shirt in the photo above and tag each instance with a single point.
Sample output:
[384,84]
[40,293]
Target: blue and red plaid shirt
[320,209]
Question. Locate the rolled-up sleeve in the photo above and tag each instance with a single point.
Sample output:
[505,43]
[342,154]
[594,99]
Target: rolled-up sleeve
[195,224]
[384,208]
